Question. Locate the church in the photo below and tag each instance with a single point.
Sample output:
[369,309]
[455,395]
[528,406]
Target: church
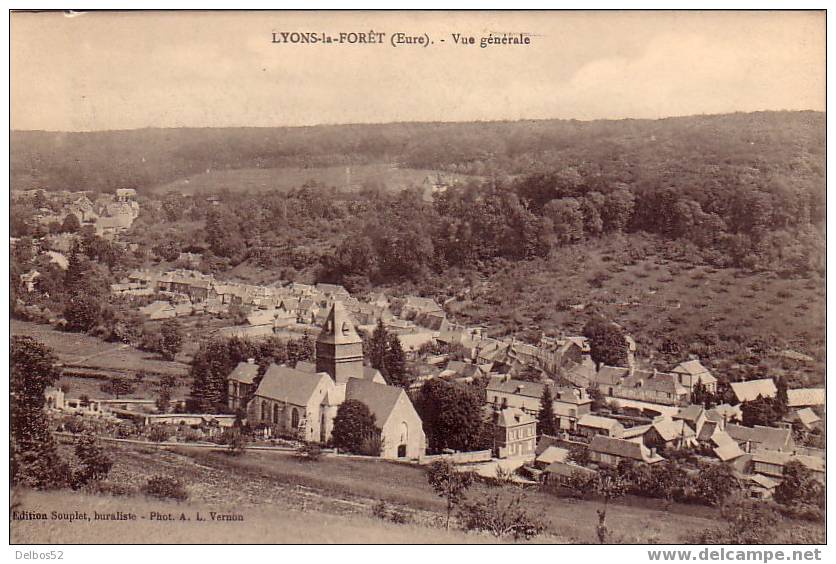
[303,401]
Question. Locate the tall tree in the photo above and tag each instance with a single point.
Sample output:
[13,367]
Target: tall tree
[35,460]
[171,338]
[567,217]
[377,346]
[607,343]
[82,312]
[546,421]
[799,487]
[452,416]
[394,361]
[71,224]
[617,209]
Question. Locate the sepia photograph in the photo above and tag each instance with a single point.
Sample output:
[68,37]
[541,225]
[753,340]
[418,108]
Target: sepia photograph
[419,277]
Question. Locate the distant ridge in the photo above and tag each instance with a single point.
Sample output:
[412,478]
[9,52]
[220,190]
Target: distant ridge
[148,158]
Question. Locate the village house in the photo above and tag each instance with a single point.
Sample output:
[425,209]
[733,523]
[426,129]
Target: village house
[666,433]
[556,354]
[550,455]
[125,194]
[560,472]
[693,415]
[569,405]
[806,418]
[758,486]
[610,451]
[608,379]
[580,375]
[433,321]
[56,399]
[724,446]
[515,433]
[805,397]
[753,389]
[759,437]
[724,413]
[591,426]
[503,391]
[652,387]
[771,463]
[240,384]
[30,280]
[412,342]
[691,372]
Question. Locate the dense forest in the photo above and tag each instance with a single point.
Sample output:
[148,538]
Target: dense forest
[673,152]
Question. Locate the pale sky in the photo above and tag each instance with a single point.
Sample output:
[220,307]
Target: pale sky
[122,71]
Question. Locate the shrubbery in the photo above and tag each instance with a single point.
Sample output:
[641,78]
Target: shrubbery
[500,514]
[164,487]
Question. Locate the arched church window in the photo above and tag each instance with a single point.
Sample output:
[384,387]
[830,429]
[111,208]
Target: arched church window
[264,411]
[275,413]
[294,418]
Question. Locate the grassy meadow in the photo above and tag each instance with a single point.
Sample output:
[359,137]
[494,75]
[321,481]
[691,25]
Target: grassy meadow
[286,179]
[268,481]
[89,361]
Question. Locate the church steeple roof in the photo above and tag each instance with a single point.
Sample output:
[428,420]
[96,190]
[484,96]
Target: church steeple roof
[338,328]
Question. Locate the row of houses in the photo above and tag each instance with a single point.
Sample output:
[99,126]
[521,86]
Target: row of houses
[110,214]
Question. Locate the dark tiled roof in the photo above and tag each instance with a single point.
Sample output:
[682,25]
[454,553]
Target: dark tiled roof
[516,387]
[610,375]
[616,447]
[283,383]
[380,398]
[244,373]
[566,469]
[768,437]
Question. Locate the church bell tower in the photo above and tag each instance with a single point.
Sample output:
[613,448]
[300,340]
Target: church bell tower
[339,349]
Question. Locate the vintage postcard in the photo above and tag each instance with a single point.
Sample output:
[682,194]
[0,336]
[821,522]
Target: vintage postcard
[384,277]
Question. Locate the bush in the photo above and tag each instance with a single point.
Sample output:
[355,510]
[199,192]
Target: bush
[158,434]
[309,451]
[94,462]
[74,425]
[235,442]
[382,511]
[163,487]
[108,488]
[126,430]
[372,445]
[500,515]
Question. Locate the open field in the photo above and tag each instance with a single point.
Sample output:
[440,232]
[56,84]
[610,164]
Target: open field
[98,360]
[285,179]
